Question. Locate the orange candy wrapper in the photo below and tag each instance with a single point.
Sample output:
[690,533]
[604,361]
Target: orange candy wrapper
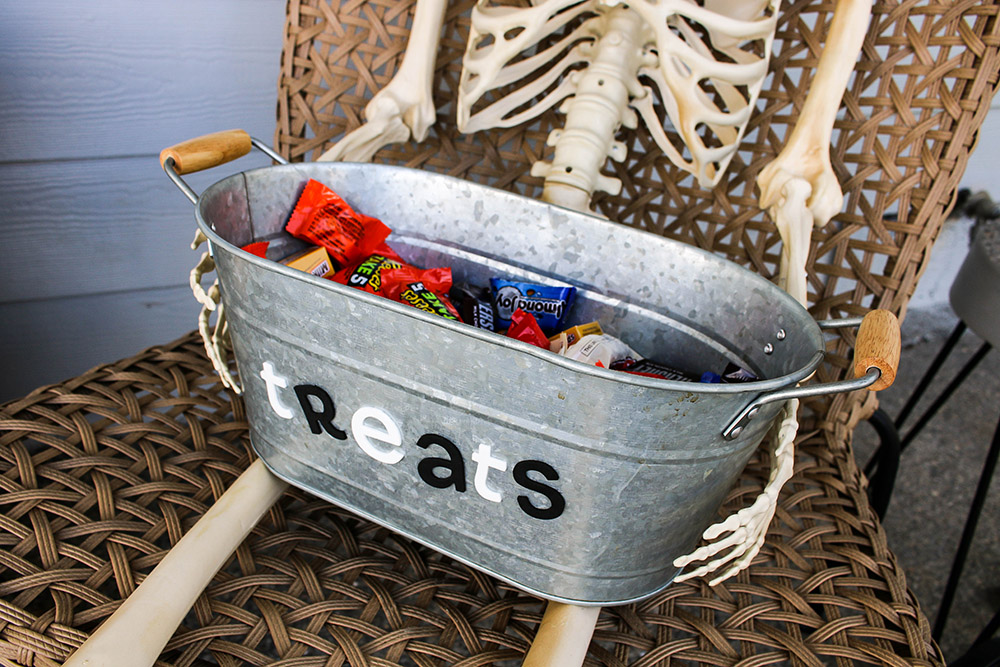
[323,218]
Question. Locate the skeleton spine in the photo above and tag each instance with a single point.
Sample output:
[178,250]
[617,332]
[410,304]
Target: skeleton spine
[595,112]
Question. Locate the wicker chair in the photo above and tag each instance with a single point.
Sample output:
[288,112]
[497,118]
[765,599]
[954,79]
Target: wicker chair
[103,473]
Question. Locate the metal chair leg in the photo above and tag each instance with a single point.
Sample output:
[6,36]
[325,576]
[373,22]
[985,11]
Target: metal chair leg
[915,397]
[883,481]
[946,394]
[958,564]
[988,632]
[932,371]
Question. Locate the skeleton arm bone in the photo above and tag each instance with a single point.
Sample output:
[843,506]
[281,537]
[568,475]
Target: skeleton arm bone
[405,107]
[799,185]
[799,190]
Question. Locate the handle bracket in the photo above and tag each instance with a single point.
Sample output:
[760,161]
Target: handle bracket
[876,357]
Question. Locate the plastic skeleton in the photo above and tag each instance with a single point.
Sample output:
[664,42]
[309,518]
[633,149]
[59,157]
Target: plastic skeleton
[595,71]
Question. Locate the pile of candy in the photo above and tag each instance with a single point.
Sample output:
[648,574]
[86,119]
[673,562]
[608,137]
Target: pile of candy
[350,248]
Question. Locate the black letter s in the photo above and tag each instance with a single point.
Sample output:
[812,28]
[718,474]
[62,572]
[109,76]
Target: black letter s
[557,504]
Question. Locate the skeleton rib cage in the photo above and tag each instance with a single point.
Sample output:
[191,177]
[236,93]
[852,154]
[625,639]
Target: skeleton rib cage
[703,65]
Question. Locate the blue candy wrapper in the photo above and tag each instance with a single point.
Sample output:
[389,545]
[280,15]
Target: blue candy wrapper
[548,304]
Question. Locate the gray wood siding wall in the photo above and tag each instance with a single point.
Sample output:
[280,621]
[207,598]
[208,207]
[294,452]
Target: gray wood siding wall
[94,240]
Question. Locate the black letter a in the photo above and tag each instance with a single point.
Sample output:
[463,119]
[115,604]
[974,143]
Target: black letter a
[456,464]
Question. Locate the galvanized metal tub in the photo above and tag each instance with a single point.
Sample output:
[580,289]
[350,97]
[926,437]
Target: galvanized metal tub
[569,481]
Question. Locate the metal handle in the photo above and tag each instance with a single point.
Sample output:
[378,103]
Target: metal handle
[207,151]
[876,358]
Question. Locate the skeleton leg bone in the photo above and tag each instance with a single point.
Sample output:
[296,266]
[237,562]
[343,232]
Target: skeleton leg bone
[405,107]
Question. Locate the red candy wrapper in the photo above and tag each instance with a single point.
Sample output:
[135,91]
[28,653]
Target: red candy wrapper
[323,218]
[524,326]
[367,274]
[259,248]
[421,288]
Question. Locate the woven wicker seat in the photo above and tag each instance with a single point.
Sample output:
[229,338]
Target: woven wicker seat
[101,474]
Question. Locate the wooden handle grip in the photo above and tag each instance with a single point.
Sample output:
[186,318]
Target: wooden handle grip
[207,151]
[878,346]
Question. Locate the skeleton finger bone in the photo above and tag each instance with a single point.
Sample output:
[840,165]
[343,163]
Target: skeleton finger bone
[205,265]
[712,549]
[405,107]
[383,126]
[734,553]
[738,566]
[215,348]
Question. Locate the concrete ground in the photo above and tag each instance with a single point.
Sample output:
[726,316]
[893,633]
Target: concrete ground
[937,478]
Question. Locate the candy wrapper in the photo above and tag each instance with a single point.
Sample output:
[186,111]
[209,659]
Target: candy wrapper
[566,338]
[323,218]
[367,274]
[732,374]
[259,248]
[548,304]
[403,285]
[524,327]
[312,260]
[475,306]
[602,350]
[654,370]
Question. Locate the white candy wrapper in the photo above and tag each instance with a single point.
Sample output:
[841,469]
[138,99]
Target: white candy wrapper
[600,350]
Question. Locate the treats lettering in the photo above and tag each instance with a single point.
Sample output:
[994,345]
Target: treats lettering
[272,381]
[376,434]
[484,457]
[389,434]
[321,420]
[455,464]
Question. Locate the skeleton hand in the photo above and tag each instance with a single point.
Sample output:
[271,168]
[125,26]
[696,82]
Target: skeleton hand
[747,528]
[216,342]
[405,107]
